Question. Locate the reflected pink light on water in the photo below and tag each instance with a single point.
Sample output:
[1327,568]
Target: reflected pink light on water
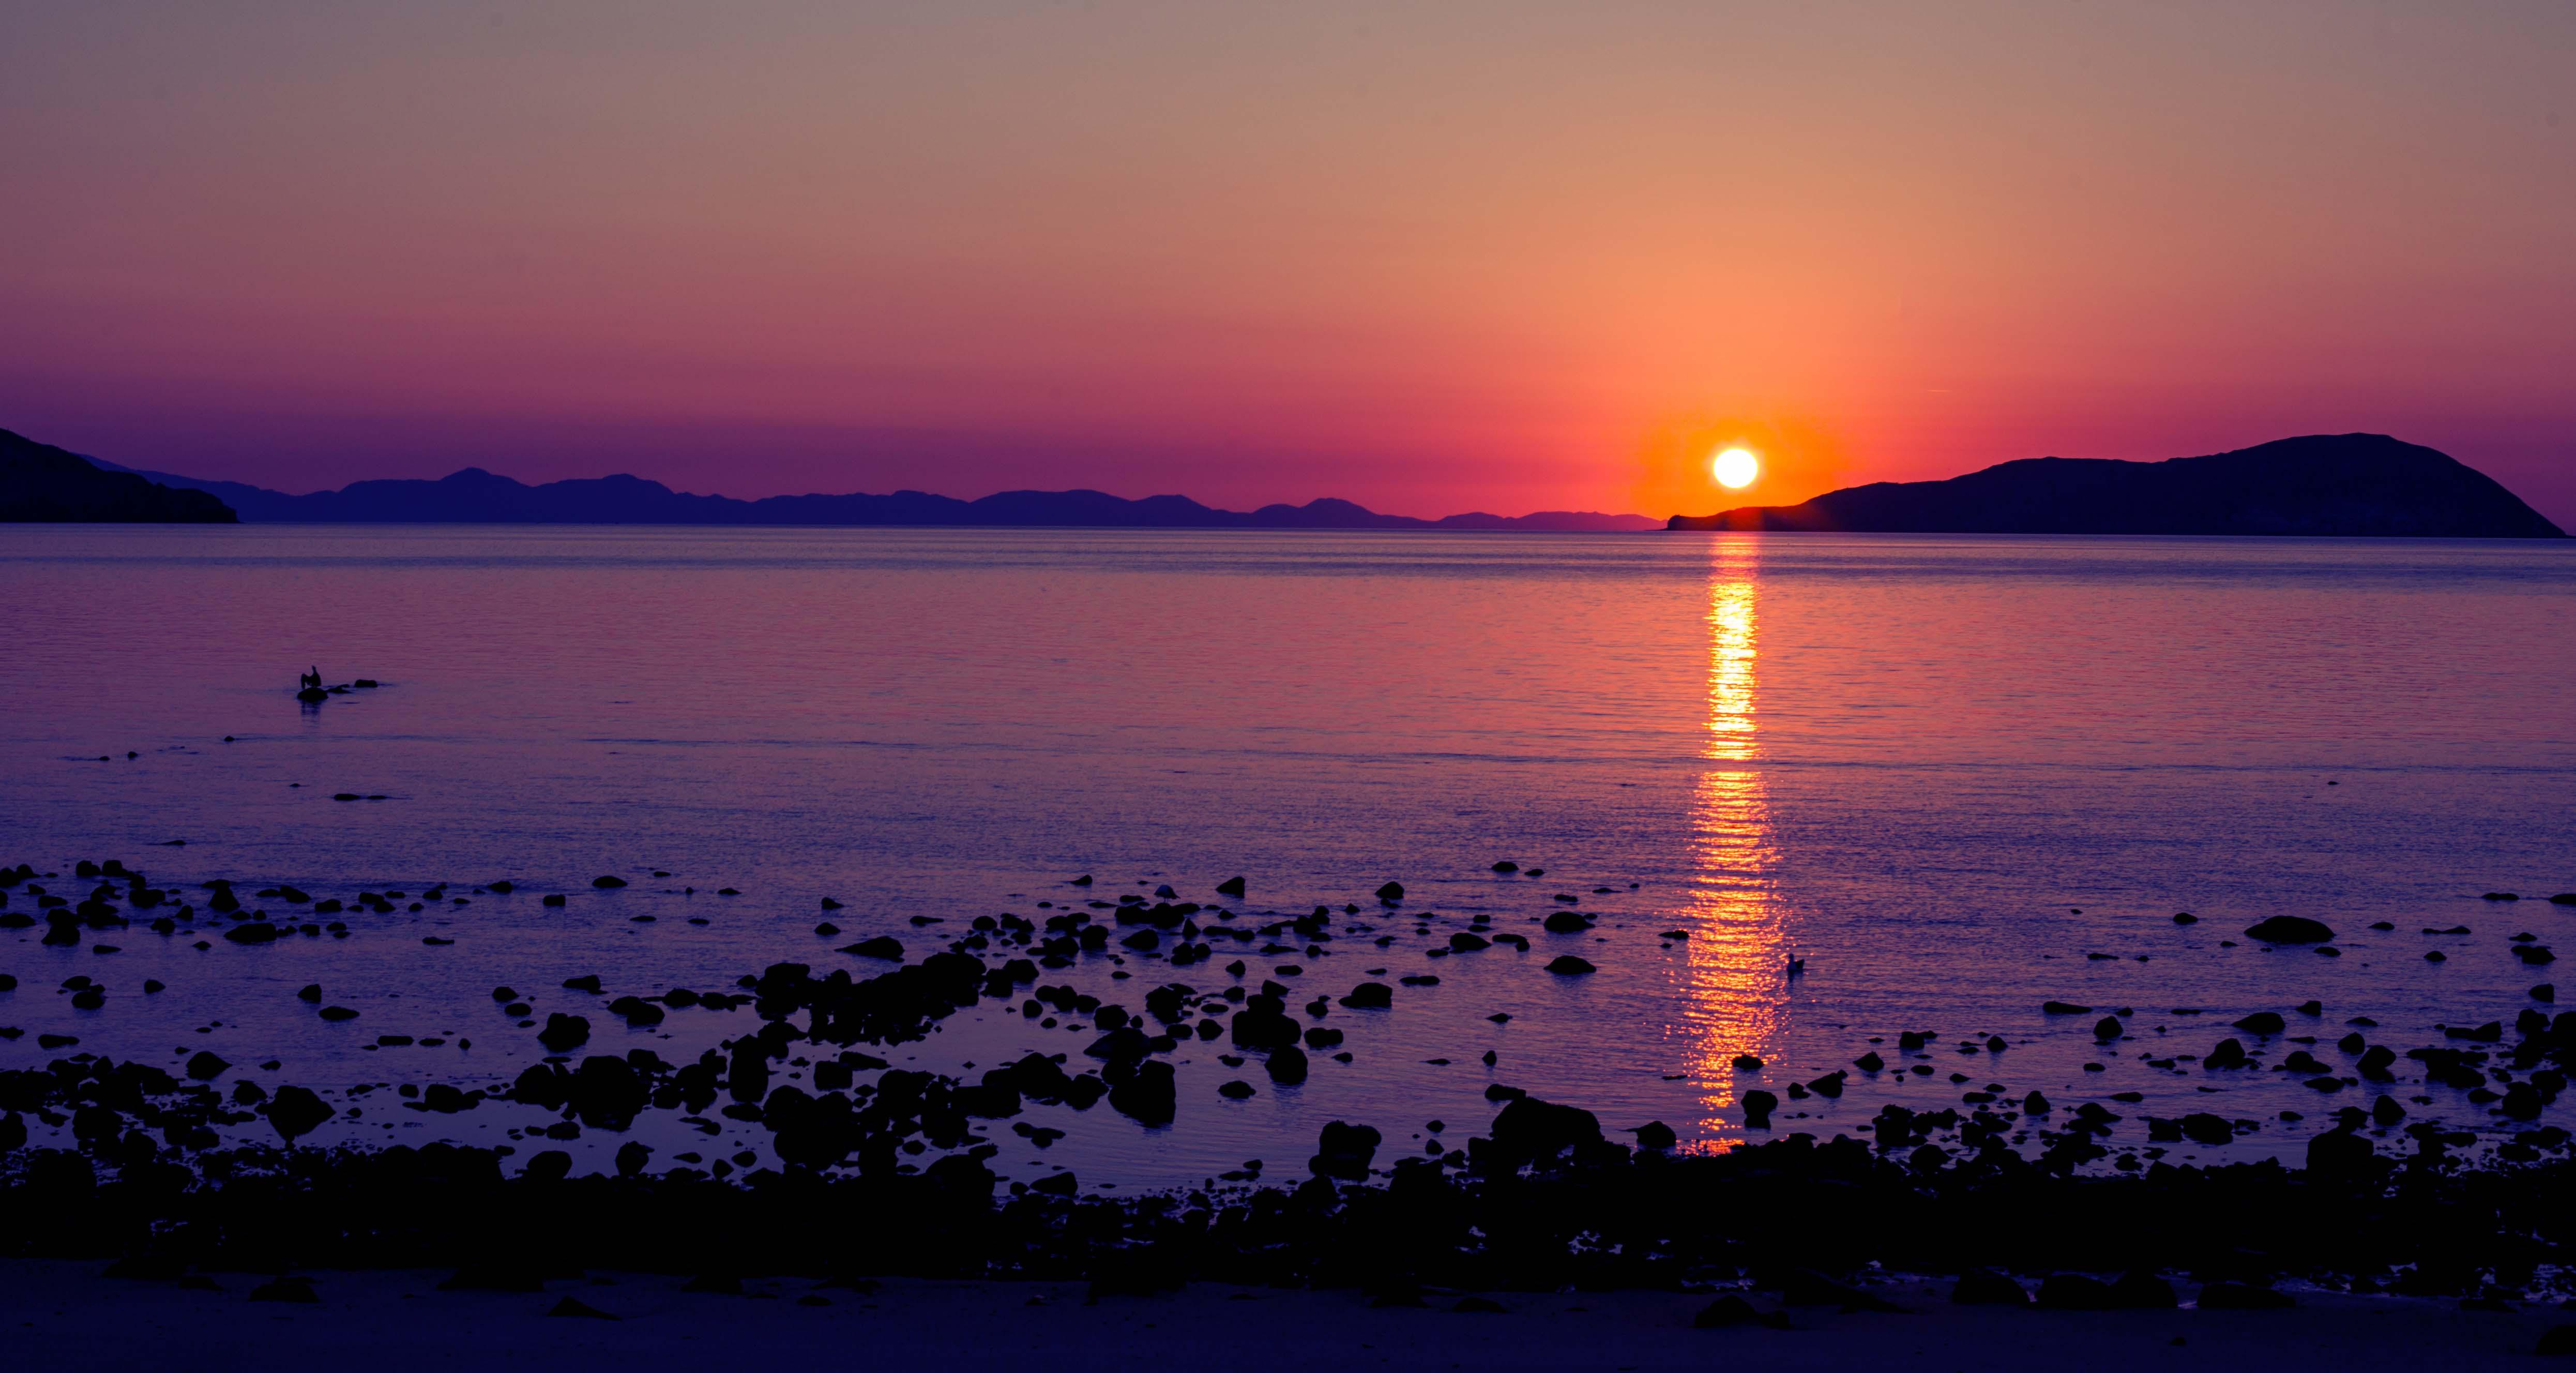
[1736,970]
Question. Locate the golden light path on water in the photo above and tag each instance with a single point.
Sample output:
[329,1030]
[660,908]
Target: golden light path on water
[1738,986]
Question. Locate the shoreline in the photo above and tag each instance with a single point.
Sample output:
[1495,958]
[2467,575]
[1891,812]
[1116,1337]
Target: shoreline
[66,1314]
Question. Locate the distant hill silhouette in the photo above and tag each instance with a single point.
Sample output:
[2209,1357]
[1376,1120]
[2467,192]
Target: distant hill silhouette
[474,496]
[40,483]
[2350,485]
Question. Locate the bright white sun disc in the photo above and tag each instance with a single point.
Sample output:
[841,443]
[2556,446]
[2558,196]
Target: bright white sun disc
[1736,468]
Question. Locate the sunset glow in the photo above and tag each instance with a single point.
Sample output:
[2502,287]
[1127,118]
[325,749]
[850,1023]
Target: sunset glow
[1735,469]
[1256,254]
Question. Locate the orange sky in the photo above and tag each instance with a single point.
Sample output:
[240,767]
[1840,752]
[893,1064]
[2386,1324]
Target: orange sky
[1431,258]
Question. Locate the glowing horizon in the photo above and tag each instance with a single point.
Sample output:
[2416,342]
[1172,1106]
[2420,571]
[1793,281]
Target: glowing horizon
[1539,262]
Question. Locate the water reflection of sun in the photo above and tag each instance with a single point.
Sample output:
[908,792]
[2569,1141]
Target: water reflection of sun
[1737,988]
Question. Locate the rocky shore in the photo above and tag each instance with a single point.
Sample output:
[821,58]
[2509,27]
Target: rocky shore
[67,1314]
[883,1171]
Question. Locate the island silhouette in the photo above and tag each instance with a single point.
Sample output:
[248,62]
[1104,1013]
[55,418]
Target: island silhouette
[2339,485]
[2342,485]
[41,484]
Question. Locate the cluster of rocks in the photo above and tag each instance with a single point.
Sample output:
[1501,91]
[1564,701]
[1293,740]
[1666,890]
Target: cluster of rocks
[914,1135]
[1544,1201]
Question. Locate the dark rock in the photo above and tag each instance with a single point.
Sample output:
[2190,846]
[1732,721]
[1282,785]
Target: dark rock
[2290,929]
[1731,1311]
[2261,1023]
[1344,1151]
[635,1011]
[1758,1106]
[206,1066]
[1567,965]
[564,1033]
[2201,1127]
[2339,1153]
[549,1165]
[1147,1094]
[608,883]
[2075,1292]
[883,946]
[1232,886]
[2139,1290]
[1986,1287]
[297,1290]
[295,1112]
[1390,893]
[1807,1287]
[2064,1008]
[2242,1296]
[574,1306]
[1529,1130]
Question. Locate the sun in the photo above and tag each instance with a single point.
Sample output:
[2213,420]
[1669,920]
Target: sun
[1736,468]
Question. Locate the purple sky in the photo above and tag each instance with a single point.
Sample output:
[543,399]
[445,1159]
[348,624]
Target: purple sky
[1431,258]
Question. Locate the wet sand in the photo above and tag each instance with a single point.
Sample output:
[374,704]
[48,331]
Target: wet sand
[63,1314]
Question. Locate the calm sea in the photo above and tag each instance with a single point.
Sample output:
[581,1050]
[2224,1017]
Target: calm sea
[1957,776]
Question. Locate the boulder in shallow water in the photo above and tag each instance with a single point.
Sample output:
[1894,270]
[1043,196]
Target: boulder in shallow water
[564,1033]
[1530,1129]
[1370,996]
[2289,929]
[296,1112]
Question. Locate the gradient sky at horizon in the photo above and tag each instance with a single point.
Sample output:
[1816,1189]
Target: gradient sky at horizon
[1432,258]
